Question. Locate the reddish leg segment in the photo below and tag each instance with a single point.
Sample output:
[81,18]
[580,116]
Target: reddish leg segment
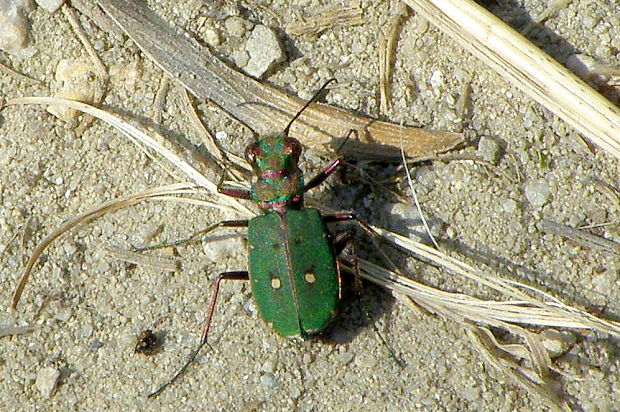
[232,192]
[320,178]
[238,275]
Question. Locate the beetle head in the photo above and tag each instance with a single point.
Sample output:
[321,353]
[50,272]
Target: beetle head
[279,183]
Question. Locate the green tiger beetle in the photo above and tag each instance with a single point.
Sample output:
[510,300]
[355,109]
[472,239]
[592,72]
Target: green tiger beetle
[293,270]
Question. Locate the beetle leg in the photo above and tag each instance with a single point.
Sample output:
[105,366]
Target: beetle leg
[238,275]
[320,178]
[341,241]
[232,192]
[339,218]
[236,193]
[224,223]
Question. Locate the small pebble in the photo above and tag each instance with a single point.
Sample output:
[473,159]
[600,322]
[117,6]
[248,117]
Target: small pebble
[265,51]
[436,80]
[269,380]
[489,149]
[47,381]
[421,26]
[15,32]
[557,342]
[221,135]
[235,26]
[76,80]
[249,306]
[212,37]
[470,394]
[268,366]
[538,192]
[50,5]
[509,206]
[345,357]
[63,314]
[241,58]
[94,345]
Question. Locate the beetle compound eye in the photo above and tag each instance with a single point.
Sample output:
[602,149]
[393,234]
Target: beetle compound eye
[252,152]
[292,147]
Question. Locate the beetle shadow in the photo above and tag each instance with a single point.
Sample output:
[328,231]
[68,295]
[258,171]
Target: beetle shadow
[360,307]
[357,311]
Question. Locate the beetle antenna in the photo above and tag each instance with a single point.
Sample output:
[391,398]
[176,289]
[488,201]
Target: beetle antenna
[308,103]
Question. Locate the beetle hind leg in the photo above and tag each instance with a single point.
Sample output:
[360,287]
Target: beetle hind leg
[237,275]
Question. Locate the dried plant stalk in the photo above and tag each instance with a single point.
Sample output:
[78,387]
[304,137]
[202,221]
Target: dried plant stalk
[327,17]
[527,67]
[263,108]
[18,76]
[580,237]
[387,51]
[167,264]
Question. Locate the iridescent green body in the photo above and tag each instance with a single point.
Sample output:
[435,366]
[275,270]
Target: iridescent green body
[293,271]
[292,265]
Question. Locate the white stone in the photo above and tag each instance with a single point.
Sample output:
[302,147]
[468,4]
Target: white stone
[50,5]
[77,80]
[436,79]
[15,30]
[557,342]
[537,192]
[47,381]
[489,149]
[265,51]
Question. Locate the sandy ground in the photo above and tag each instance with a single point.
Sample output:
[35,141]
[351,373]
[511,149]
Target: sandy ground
[88,308]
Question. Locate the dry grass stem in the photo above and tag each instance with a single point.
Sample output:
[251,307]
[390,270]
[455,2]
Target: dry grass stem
[159,101]
[142,139]
[211,144]
[579,236]
[328,17]
[159,193]
[18,76]
[15,330]
[521,306]
[167,264]
[81,35]
[417,203]
[387,52]
[497,355]
[101,79]
[524,65]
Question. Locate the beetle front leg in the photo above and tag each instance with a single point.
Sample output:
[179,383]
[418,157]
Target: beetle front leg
[320,178]
[236,193]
